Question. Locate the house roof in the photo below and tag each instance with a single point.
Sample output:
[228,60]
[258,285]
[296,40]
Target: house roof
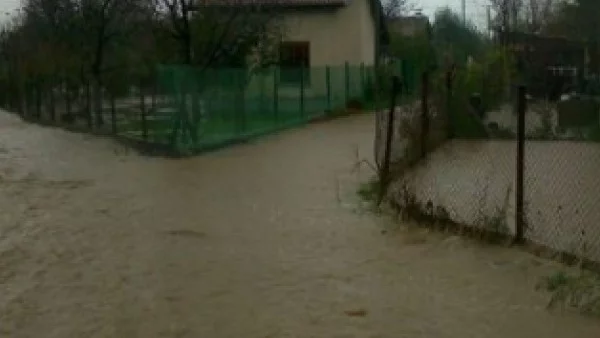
[282,3]
[376,9]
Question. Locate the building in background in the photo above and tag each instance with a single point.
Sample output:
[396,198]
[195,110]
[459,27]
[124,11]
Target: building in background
[326,44]
[550,65]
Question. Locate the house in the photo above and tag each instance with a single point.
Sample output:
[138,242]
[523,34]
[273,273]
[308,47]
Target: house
[550,62]
[332,32]
[335,42]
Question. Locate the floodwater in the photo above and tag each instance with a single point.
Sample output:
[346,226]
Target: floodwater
[257,240]
[472,179]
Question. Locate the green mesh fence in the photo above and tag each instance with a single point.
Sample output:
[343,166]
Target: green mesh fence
[196,109]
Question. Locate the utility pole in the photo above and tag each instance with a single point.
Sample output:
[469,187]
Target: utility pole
[464,11]
[515,15]
[489,21]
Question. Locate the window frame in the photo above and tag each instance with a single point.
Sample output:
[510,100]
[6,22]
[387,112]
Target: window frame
[294,62]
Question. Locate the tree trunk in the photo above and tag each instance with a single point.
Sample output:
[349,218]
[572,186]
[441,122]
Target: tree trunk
[594,57]
[97,78]
[97,100]
[187,48]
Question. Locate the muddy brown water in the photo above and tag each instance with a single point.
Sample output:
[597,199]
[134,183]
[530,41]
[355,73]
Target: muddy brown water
[257,240]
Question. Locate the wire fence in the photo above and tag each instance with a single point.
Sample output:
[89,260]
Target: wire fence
[561,185]
[508,166]
[183,109]
[229,104]
[415,124]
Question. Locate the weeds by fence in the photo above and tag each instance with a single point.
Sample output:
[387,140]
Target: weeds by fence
[414,124]
[511,165]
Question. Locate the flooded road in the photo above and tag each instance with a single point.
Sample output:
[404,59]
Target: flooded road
[258,240]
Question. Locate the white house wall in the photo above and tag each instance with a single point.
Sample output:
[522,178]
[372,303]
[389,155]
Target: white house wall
[337,36]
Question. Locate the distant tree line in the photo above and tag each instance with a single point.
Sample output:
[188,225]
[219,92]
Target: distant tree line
[113,44]
[573,19]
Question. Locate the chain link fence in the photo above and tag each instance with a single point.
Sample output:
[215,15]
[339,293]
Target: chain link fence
[214,107]
[466,175]
[561,185]
[180,109]
[511,166]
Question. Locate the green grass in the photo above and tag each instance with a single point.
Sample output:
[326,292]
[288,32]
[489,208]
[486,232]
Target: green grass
[369,191]
[579,291]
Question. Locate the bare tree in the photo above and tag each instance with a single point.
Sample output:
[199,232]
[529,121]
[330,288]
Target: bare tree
[395,8]
[102,23]
[178,21]
[79,35]
[11,58]
[502,12]
[217,32]
[231,33]
[538,13]
[89,39]
[38,46]
[523,15]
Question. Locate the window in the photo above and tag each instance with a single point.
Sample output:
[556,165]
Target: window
[293,58]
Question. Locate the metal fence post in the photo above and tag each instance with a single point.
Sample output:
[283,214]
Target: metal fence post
[347,81]
[242,100]
[408,75]
[88,104]
[52,103]
[154,92]
[154,104]
[38,101]
[376,87]
[276,93]
[143,114]
[261,102]
[302,80]
[99,104]
[197,103]
[449,78]
[328,87]
[67,99]
[520,207]
[385,167]
[21,97]
[362,81]
[113,114]
[29,98]
[424,112]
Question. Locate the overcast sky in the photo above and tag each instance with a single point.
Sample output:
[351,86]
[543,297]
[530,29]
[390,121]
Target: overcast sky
[9,5]
[475,8]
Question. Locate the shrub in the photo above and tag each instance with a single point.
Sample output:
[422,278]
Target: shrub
[490,78]
[498,68]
